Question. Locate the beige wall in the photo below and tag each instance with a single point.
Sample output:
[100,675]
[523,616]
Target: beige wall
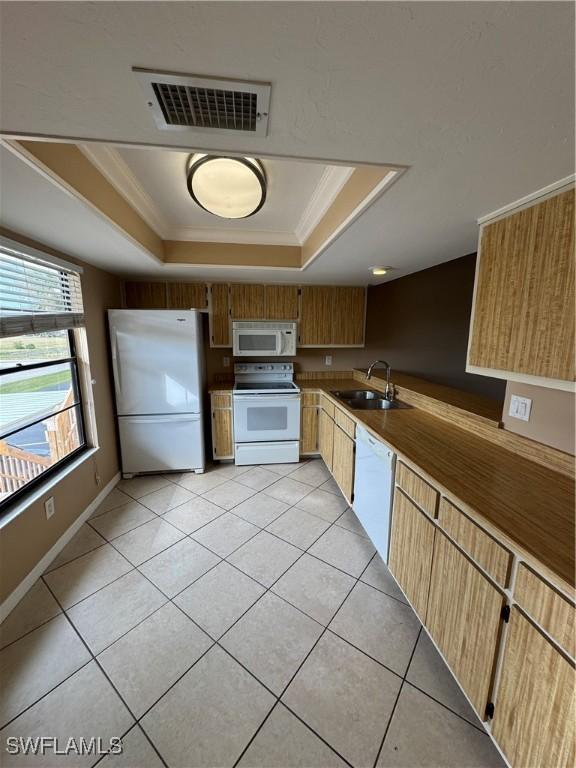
[27,538]
[551,417]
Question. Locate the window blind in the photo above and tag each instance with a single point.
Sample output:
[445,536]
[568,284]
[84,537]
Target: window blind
[37,294]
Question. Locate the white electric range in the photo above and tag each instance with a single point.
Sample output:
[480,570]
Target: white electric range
[266,413]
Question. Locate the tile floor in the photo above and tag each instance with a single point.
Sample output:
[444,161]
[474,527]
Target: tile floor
[239,617]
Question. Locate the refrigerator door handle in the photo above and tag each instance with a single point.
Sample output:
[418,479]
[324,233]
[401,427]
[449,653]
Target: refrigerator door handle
[162,419]
[116,367]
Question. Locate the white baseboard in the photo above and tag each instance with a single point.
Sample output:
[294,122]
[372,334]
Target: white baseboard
[14,598]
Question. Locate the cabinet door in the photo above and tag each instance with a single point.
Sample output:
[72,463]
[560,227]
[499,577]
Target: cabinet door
[326,438]
[281,302]
[534,708]
[524,293]
[247,302]
[411,549]
[145,295]
[222,433]
[348,316]
[187,296]
[219,316]
[332,316]
[343,462]
[309,430]
[464,618]
[315,316]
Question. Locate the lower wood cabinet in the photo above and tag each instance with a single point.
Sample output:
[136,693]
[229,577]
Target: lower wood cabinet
[464,617]
[534,712]
[309,430]
[326,438]
[411,550]
[222,425]
[343,461]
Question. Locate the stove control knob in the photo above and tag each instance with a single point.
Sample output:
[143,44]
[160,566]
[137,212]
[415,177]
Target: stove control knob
[270,367]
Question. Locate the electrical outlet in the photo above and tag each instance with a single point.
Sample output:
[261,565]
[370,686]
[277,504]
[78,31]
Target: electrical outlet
[226,362]
[49,507]
[97,478]
[328,359]
[520,407]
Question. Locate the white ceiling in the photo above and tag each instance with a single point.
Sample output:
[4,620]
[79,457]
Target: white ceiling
[154,182]
[476,98]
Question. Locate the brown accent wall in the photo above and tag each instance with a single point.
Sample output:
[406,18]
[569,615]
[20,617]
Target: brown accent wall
[27,538]
[420,324]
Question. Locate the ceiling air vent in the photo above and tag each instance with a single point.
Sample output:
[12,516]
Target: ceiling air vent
[191,102]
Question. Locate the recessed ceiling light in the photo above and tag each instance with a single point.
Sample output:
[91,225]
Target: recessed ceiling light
[229,187]
[379,270]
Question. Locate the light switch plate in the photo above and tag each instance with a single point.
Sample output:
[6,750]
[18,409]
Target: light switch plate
[520,407]
[226,362]
[49,507]
[328,360]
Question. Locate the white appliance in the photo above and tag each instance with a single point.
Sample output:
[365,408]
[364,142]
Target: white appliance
[263,339]
[266,413]
[158,376]
[373,486]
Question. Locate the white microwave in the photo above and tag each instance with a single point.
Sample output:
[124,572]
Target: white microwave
[263,339]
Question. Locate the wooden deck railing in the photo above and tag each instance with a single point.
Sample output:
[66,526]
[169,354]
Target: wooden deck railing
[18,467]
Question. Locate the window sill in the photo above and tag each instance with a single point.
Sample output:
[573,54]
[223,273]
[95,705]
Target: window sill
[43,489]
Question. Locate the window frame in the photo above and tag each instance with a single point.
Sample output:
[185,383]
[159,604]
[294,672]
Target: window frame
[79,405]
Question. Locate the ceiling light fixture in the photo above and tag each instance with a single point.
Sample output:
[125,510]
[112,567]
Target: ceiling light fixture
[379,270]
[229,187]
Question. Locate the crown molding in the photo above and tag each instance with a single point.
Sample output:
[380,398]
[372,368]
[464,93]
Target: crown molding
[327,189]
[249,237]
[112,166]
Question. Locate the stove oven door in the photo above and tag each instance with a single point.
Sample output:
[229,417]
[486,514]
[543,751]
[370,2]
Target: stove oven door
[265,418]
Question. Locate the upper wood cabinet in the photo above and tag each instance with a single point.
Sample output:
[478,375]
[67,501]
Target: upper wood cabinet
[219,316]
[144,295]
[332,316]
[247,302]
[523,314]
[534,711]
[464,617]
[263,302]
[281,302]
[187,295]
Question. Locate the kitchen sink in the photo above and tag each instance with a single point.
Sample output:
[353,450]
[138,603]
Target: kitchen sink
[367,400]
[357,394]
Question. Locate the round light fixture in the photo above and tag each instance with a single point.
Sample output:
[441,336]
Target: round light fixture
[379,270]
[229,187]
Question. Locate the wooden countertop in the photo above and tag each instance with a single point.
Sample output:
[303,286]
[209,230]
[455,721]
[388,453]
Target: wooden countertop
[531,505]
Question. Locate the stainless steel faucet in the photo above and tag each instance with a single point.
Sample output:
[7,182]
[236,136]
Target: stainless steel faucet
[389,391]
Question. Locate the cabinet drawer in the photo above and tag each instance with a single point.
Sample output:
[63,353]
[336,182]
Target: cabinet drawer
[551,610]
[419,490]
[481,547]
[327,406]
[309,398]
[347,424]
[221,400]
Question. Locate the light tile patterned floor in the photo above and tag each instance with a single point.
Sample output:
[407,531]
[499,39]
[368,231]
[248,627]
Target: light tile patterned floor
[240,617]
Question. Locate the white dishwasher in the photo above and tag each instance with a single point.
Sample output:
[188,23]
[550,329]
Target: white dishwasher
[373,486]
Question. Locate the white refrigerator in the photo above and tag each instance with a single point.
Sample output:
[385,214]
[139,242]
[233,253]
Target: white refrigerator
[157,363]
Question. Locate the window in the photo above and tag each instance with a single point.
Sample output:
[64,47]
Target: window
[41,414]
